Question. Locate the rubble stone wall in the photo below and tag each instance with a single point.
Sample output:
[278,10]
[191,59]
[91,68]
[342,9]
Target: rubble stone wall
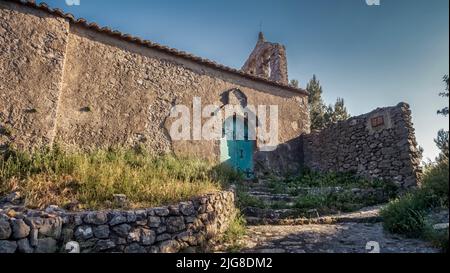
[187,226]
[377,145]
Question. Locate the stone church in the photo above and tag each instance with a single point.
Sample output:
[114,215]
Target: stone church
[69,82]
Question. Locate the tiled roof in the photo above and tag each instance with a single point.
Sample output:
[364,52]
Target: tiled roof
[127,37]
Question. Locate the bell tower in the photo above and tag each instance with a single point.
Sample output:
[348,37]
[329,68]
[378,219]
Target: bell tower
[268,60]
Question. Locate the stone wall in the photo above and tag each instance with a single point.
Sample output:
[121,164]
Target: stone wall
[185,227]
[378,145]
[32,52]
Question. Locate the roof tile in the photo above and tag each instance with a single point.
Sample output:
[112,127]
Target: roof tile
[82,22]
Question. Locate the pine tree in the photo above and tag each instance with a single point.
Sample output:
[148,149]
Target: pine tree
[340,111]
[316,106]
[294,83]
[444,94]
[442,140]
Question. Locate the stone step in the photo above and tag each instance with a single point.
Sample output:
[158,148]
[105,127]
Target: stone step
[268,197]
[260,188]
[280,217]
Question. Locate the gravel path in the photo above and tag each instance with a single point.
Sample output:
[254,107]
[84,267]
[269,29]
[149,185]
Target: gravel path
[333,238]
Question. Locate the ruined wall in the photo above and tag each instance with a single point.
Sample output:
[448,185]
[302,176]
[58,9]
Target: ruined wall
[187,226]
[115,92]
[379,145]
[32,51]
[268,60]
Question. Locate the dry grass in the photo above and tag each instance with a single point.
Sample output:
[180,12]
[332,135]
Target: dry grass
[55,177]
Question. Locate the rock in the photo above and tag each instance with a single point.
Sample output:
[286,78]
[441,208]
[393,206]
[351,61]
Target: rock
[46,245]
[19,229]
[48,227]
[189,219]
[187,208]
[154,221]
[84,233]
[8,246]
[190,250]
[67,234]
[163,237]
[134,236]
[13,198]
[120,200]
[96,218]
[141,217]
[131,217]
[87,246]
[148,237]
[101,232]
[52,209]
[175,224]
[187,237]
[174,210]
[24,246]
[153,249]
[162,211]
[5,229]
[171,246]
[135,248]
[103,245]
[34,234]
[122,230]
[161,229]
[117,220]
[441,226]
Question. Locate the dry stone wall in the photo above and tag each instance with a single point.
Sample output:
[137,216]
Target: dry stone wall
[184,227]
[377,145]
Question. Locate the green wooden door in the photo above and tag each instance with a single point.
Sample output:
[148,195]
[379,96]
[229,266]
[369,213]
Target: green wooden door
[237,151]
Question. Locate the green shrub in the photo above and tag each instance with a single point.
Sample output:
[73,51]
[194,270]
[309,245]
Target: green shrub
[407,215]
[235,231]
[246,200]
[313,179]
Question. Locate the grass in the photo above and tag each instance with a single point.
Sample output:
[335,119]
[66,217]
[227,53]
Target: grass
[334,193]
[55,177]
[313,179]
[246,200]
[408,215]
[236,230]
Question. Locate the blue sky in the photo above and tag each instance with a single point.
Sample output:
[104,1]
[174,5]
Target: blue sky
[371,56]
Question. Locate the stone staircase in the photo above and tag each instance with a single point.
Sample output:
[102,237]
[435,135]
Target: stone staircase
[279,209]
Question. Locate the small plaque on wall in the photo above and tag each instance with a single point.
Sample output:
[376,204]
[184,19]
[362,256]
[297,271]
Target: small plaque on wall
[377,121]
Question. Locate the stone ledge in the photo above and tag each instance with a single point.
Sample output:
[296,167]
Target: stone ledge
[186,226]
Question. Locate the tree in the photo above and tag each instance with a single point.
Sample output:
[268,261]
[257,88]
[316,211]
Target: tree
[442,140]
[321,115]
[339,112]
[444,94]
[294,83]
[443,144]
[317,108]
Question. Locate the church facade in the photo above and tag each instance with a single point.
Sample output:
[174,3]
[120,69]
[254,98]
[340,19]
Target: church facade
[68,82]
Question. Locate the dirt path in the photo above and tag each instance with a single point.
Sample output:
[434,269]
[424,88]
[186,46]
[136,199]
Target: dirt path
[276,231]
[335,238]
[345,233]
